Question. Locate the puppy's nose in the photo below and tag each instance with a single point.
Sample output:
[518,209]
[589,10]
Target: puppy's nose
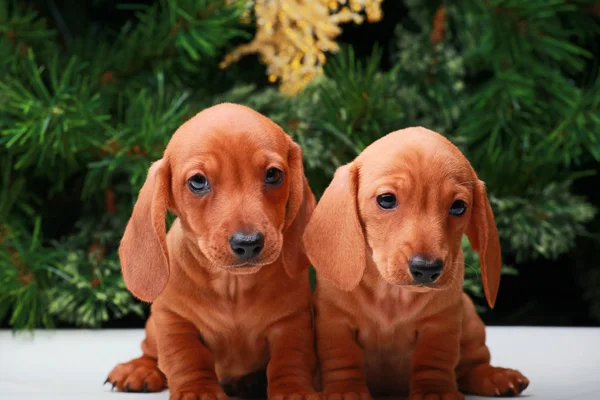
[246,246]
[425,270]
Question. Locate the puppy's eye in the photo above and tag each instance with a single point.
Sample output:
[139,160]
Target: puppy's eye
[274,176]
[458,208]
[387,201]
[198,184]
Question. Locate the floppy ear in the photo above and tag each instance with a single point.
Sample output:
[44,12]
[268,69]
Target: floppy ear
[301,203]
[483,236]
[334,239]
[143,250]
[296,177]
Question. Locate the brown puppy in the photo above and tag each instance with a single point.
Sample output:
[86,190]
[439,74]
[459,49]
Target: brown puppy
[385,240]
[229,282]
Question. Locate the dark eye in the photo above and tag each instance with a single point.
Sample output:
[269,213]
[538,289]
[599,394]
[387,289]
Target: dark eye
[387,201]
[274,176]
[198,184]
[458,208]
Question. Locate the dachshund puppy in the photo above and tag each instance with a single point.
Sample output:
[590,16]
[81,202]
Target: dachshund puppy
[385,240]
[229,282]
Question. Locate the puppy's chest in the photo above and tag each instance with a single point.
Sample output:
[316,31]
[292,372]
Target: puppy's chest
[388,322]
[232,328]
[388,336]
[233,331]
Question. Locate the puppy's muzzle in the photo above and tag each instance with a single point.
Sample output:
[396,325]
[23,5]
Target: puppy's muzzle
[247,246]
[425,270]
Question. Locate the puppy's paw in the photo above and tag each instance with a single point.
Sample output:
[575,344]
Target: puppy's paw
[347,396]
[486,380]
[138,375]
[431,395]
[292,393]
[198,392]
[349,391]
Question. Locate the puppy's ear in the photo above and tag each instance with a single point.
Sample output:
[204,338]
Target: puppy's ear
[296,177]
[143,250]
[300,205]
[334,239]
[483,236]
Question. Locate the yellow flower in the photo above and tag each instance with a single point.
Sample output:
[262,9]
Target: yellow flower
[292,36]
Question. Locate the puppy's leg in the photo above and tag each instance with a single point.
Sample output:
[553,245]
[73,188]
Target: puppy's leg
[436,355]
[293,361]
[140,374]
[185,360]
[341,358]
[475,374]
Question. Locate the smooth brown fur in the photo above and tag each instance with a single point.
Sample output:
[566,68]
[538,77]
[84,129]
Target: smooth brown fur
[379,332]
[215,319]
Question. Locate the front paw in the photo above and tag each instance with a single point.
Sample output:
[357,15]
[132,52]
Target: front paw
[199,392]
[293,393]
[349,391]
[486,380]
[436,395]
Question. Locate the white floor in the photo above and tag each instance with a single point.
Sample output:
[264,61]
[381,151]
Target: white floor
[562,363]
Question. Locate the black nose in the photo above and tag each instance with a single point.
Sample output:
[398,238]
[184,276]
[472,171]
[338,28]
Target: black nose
[425,270]
[246,246]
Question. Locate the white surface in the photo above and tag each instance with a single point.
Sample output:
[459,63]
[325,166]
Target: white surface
[562,363]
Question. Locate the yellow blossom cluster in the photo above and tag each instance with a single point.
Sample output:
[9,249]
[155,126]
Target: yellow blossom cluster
[292,36]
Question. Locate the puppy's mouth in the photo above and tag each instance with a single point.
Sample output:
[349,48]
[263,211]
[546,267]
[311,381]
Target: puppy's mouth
[404,279]
[422,287]
[244,269]
[224,258]
[252,266]
[411,284]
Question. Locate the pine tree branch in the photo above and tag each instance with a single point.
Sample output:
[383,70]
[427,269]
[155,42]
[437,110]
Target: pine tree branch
[60,22]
